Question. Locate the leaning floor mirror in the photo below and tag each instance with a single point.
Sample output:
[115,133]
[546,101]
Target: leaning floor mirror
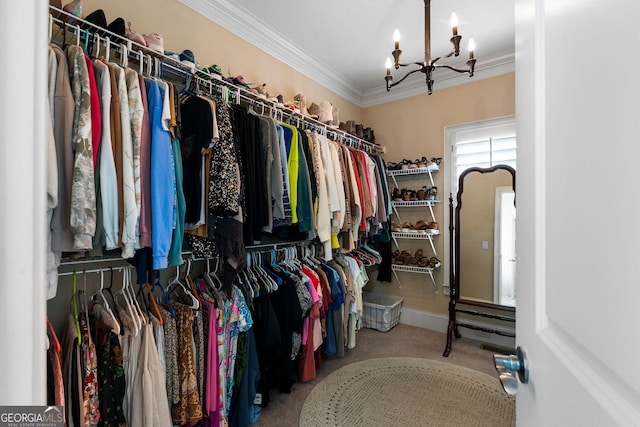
[482,253]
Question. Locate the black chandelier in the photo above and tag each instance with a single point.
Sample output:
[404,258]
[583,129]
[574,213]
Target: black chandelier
[428,66]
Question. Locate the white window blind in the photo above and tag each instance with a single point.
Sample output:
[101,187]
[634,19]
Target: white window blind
[482,144]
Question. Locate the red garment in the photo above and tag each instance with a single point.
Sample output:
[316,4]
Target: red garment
[363,220]
[96,119]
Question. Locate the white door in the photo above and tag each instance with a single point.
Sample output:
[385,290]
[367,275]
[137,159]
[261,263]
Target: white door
[578,201]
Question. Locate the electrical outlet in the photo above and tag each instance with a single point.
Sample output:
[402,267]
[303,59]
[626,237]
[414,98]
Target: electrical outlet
[485,244]
[446,289]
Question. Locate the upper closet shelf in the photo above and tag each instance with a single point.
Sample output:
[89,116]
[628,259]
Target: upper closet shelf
[86,32]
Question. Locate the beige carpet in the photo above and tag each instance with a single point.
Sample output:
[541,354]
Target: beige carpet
[405,391]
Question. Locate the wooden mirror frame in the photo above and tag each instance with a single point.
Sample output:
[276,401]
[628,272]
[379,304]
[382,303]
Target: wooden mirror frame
[454,271]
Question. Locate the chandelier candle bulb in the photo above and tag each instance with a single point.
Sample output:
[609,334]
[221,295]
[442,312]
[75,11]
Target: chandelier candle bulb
[472,47]
[454,23]
[387,64]
[396,38]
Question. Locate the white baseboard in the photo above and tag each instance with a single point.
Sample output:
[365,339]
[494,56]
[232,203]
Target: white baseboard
[439,322]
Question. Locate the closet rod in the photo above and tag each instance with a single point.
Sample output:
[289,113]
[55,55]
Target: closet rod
[258,247]
[115,40]
[95,270]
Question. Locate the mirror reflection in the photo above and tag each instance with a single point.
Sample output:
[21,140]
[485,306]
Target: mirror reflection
[486,228]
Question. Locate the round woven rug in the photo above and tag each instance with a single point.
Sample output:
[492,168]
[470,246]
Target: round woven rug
[404,391]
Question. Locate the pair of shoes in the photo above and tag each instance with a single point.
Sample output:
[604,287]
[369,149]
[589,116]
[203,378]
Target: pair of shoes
[431,193]
[421,226]
[434,262]
[432,228]
[434,163]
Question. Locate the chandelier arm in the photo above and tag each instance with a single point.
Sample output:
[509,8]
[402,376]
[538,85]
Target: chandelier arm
[419,64]
[405,76]
[458,70]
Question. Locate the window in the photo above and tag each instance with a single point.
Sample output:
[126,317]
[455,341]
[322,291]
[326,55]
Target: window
[482,144]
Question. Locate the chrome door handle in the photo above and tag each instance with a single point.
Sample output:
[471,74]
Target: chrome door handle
[511,368]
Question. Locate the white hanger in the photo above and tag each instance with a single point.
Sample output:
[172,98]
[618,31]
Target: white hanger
[132,295]
[105,304]
[78,30]
[96,40]
[134,316]
[50,26]
[107,52]
[124,56]
[195,304]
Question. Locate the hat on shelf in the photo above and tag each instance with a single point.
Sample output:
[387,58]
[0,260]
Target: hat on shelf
[74,8]
[172,55]
[188,59]
[117,27]
[155,42]
[215,71]
[97,18]
[134,36]
[238,81]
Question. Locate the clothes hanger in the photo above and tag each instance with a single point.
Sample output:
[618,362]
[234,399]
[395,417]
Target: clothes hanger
[164,296]
[74,307]
[56,342]
[192,284]
[107,49]
[129,307]
[177,284]
[155,305]
[128,289]
[109,291]
[105,304]
[86,306]
[124,56]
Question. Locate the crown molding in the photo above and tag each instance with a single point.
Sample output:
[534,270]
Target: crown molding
[248,27]
[487,67]
[232,17]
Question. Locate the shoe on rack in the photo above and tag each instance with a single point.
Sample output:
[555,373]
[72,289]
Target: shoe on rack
[432,193]
[314,110]
[326,112]
[432,228]
[301,102]
[421,227]
[434,262]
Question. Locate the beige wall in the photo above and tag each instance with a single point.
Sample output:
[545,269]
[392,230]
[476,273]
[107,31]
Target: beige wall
[414,127]
[409,128]
[182,28]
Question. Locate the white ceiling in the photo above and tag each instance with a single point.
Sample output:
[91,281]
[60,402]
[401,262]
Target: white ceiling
[343,44]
